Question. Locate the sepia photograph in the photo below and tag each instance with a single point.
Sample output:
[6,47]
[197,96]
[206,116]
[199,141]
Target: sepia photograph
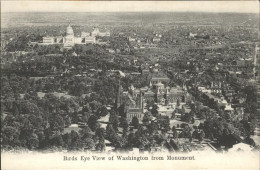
[130,85]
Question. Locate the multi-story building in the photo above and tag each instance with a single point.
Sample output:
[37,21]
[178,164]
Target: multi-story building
[48,40]
[133,101]
[96,32]
[70,40]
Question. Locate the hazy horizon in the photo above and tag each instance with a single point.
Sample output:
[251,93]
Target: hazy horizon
[136,12]
[130,6]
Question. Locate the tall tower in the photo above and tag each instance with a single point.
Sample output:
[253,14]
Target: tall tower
[141,101]
[256,67]
[119,95]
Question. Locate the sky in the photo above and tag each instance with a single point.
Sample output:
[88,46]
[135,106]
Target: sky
[130,6]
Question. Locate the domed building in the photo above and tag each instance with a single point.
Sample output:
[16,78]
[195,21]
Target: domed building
[70,31]
[69,39]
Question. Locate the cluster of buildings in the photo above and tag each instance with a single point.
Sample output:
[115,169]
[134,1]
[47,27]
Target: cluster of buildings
[144,42]
[154,38]
[70,40]
[223,95]
[134,101]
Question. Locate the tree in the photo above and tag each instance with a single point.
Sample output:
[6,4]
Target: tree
[102,111]
[68,105]
[41,138]
[147,117]
[173,114]
[18,44]
[57,123]
[186,130]
[160,138]
[57,141]
[113,119]
[85,116]
[78,90]
[178,103]
[124,124]
[110,132]
[67,121]
[246,127]
[251,92]
[94,105]
[15,110]
[26,107]
[164,123]
[101,146]
[85,132]
[67,139]
[186,117]
[250,141]
[208,126]
[152,127]
[75,138]
[154,110]
[119,142]
[9,134]
[86,108]
[150,103]
[26,131]
[140,132]
[174,132]
[201,135]
[135,122]
[175,145]
[100,132]
[92,123]
[33,143]
[88,143]
[190,136]
[131,140]
[143,142]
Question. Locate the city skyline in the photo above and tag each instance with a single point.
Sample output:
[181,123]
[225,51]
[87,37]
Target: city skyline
[137,83]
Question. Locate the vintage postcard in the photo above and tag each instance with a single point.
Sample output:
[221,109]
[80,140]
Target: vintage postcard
[130,85]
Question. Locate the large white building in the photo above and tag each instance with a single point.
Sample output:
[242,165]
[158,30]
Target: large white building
[96,32]
[70,40]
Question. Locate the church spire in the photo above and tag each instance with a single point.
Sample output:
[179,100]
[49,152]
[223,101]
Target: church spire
[119,95]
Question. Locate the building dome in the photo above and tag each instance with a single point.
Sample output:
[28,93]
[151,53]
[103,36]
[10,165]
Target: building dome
[70,31]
